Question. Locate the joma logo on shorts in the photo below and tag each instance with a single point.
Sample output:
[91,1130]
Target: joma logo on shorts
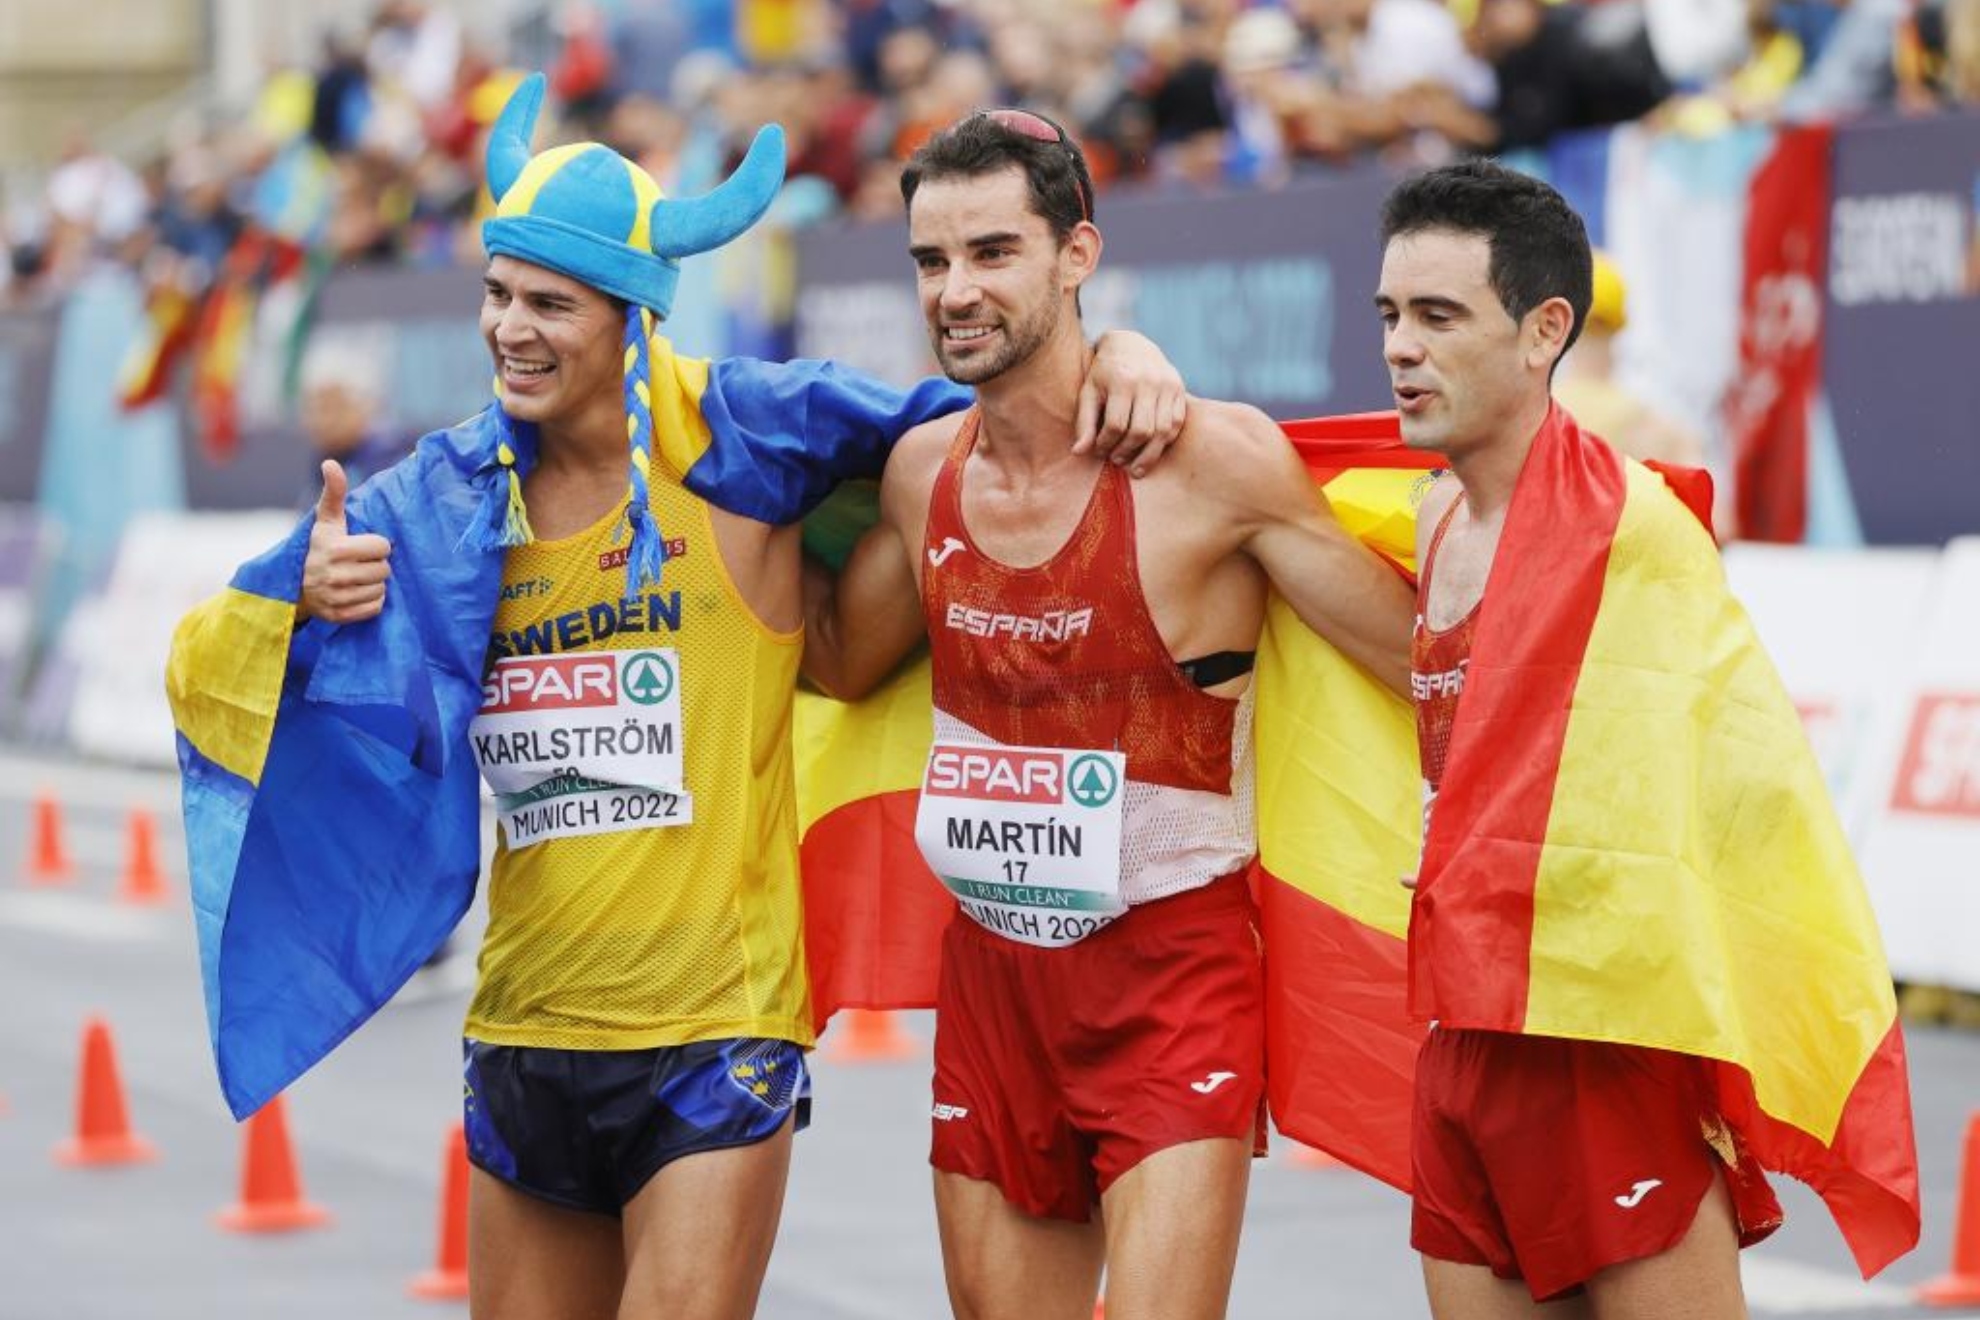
[993,774]
[550,682]
[1051,626]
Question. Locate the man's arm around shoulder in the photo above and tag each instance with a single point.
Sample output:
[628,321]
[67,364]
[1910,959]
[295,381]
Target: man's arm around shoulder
[862,622]
[1338,587]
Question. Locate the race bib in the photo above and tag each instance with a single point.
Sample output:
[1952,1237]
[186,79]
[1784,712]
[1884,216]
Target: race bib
[582,744]
[1028,839]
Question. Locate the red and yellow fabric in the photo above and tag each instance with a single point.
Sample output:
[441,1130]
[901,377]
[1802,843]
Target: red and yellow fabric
[1340,809]
[1633,841]
[1338,822]
[163,335]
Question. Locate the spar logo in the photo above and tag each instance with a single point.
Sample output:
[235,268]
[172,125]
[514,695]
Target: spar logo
[994,774]
[550,682]
[1092,781]
[1939,774]
[649,678]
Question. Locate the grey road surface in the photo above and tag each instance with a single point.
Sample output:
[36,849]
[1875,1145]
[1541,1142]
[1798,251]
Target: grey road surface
[858,1240]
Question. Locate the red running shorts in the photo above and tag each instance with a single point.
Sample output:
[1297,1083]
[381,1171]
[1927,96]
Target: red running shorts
[1550,1159]
[1058,1070]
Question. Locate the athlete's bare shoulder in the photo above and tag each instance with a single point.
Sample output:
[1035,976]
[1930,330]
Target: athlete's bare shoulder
[1232,450]
[1441,492]
[918,453]
[910,477]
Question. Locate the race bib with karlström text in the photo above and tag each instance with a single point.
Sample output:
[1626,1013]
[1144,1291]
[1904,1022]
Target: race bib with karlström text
[583,744]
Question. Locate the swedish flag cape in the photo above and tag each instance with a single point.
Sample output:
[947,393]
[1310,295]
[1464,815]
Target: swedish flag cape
[332,807]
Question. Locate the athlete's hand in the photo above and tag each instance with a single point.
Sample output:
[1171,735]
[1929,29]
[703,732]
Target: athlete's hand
[343,575]
[1407,881]
[1132,405]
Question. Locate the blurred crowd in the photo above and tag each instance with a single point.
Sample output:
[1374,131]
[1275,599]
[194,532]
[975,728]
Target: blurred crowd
[371,153]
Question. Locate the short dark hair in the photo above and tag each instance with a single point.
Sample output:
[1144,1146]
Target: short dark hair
[1056,172]
[1539,247]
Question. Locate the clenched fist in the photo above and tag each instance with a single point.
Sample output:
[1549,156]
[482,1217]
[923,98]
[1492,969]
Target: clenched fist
[343,575]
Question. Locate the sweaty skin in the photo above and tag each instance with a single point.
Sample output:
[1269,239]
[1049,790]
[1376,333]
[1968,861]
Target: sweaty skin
[1472,383]
[1228,512]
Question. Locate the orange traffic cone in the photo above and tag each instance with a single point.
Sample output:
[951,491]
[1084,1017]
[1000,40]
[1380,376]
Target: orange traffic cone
[1962,1286]
[143,883]
[447,1280]
[271,1189]
[103,1123]
[870,1036]
[48,860]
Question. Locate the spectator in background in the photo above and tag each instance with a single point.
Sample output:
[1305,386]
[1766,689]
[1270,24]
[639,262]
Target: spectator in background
[95,204]
[1116,124]
[195,215]
[341,408]
[1856,70]
[1273,98]
[1381,54]
[1589,387]
[1558,68]
[1184,93]
[1938,56]
[1774,60]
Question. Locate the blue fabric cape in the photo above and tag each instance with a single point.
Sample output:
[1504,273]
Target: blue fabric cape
[332,806]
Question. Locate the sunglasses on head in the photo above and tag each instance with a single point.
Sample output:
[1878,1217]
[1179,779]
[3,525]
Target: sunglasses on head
[1040,129]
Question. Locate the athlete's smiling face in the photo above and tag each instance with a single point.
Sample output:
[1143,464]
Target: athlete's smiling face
[996,284]
[558,346]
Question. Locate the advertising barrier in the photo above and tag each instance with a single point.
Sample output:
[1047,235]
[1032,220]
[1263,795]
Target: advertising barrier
[1840,625]
[1903,319]
[1922,858]
[116,642]
[27,357]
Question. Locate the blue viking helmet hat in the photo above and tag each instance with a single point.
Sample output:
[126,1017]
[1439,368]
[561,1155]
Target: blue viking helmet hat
[585,211]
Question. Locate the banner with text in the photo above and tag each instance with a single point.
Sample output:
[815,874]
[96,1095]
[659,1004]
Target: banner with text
[1266,298]
[1922,858]
[1903,317]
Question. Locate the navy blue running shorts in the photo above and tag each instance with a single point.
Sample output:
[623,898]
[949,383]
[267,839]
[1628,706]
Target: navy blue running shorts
[586,1129]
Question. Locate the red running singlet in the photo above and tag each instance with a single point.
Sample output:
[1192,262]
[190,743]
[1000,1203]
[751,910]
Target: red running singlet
[1438,659]
[1066,654]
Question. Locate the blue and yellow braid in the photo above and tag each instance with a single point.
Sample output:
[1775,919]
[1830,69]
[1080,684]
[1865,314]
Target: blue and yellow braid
[503,521]
[648,551]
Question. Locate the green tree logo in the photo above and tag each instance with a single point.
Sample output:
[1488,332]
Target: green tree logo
[1092,781]
[647,677]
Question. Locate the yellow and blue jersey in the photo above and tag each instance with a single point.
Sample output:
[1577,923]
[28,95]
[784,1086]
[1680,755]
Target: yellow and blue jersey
[332,804]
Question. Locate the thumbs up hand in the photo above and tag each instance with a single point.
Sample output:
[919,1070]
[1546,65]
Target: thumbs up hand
[343,575]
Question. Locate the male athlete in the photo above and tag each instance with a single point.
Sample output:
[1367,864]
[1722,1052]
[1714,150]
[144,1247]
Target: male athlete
[590,594]
[1100,1036]
[1599,876]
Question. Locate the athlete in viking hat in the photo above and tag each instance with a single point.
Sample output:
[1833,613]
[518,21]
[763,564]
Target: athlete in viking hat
[1100,1032]
[594,606]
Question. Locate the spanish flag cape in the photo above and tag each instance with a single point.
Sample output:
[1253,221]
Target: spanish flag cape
[1633,842]
[332,806]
